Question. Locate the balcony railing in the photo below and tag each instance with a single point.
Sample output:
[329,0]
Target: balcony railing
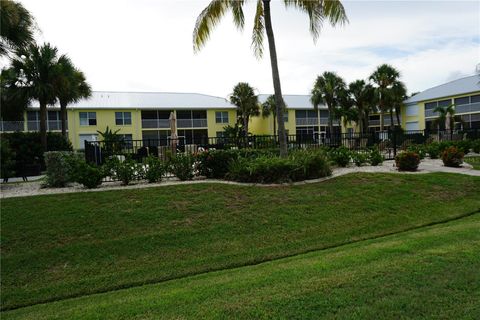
[52,125]
[9,126]
[466,108]
[306,121]
[192,123]
[386,122]
[155,123]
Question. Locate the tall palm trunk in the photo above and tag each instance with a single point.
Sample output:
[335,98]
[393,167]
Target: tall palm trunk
[330,121]
[43,125]
[276,79]
[274,124]
[397,113]
[63,117]
[392,123]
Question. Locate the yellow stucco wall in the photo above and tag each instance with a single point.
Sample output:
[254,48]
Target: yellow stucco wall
[214,127]
[264,126]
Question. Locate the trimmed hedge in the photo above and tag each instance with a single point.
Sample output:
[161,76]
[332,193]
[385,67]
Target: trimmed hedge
[407,161]
[452,157]
[61,168]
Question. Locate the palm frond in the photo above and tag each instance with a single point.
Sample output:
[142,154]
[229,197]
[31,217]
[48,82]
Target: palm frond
[209,18]
[258,30]
[318,11]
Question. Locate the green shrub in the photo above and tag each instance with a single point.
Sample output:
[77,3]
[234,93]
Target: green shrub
[182,166]
[359,158]
[60,168]
[154,169]
[407,161]
[418,149]
[298,166]
[452,157]
[375,157]
[463,145]
[340,156]
[476,146]
[28,149]
[215,163]
[433,150]
[88,175]
[126,171]
[7,163]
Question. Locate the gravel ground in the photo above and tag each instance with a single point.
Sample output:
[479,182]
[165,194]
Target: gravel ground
[21,189]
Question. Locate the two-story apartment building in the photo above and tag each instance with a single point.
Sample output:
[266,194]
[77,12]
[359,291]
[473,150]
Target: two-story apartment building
[463,93]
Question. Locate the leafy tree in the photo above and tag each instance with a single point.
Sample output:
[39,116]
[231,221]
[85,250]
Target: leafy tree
[329,89]
[70,87]
[384,78]
[246,100]
[12,100]
[36,70]
[17,27]
[447,117]
[317,10]
[270,108]
[362,96]
[394,98]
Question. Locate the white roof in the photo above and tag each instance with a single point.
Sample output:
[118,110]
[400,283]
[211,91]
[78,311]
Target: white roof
[148,100]
[460,86]
[169,100]
[294,101]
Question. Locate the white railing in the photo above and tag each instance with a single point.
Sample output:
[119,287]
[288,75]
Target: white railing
[155,123]
[306,121]
[466,108]
[52,125]
[192,123]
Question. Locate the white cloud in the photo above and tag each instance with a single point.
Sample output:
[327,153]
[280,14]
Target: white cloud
[147,45]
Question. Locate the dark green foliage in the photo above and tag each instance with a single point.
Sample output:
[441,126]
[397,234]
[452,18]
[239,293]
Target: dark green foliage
[181,166]
[462,145]
[7,162]
[215,163]
[126,171]
[154,169]
[28,149]
[452,157]
[433,150]
[88,175]
[300,165]
[359,158]
[61,168]
[340,156]
[375,157]
[407,161]
[476,146]
[418,149]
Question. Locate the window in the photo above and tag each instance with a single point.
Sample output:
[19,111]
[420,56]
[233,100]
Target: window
[460,101]
[412,110]
[88,118]
[412,126]
[475,98]
[221,117]
[444,103]
[220,134]
[86,137]
[285,116]
[123,118]
[430,105]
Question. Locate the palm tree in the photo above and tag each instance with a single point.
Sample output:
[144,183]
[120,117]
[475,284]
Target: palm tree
[362,95]
[36,69]
[246,100]
[317,10]
[270,108]
[446,116]
[17,26]
[329,89]
[395,98]
[71,87]
[384,77]
[12,100]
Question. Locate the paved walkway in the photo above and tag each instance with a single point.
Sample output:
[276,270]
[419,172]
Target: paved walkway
[35,187]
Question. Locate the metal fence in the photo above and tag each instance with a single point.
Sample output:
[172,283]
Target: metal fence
[389,143]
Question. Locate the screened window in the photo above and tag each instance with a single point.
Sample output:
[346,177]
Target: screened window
[285,116]
[460,101]
[475,98]
[444,103]
[430,105]
[221,117]
[88,118]
[123,118]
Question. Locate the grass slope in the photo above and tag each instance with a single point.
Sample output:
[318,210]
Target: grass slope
[474,161]
[69,245]
[428,273]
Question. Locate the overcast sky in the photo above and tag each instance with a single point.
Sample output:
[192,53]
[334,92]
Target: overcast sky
[146,45]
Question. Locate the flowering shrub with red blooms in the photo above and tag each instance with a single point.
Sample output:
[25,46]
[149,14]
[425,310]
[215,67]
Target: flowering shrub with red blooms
[452,157]
[407,161]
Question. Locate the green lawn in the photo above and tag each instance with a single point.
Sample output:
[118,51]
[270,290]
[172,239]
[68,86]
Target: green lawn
[474,161]
[428,273]
[69,245]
